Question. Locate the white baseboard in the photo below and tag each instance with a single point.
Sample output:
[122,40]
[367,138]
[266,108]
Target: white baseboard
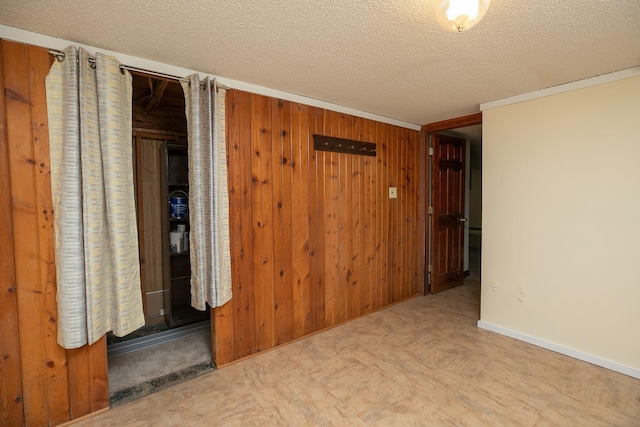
[614,366]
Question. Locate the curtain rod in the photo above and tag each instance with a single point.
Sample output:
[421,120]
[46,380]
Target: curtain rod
[59,55]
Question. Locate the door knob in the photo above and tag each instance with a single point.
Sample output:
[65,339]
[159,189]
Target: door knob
[462,219]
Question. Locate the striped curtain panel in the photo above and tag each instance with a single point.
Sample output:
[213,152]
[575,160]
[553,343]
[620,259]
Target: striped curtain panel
[208,194]
[96,245]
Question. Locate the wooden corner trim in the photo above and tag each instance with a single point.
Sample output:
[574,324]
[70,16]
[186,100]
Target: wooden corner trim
[473,119]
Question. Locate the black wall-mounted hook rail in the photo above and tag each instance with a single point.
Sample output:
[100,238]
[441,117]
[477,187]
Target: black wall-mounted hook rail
[341,145]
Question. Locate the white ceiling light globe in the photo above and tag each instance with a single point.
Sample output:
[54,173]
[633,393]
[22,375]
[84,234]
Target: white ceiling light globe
[459,15]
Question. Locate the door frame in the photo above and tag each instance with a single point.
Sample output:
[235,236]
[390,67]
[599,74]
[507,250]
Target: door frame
[426,132]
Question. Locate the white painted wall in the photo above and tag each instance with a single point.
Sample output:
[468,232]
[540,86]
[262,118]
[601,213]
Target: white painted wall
[561,222]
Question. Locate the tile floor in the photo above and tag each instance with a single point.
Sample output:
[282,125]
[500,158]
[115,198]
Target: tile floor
[422,362]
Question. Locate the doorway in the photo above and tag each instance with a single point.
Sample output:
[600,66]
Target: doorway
[175,342]
[469,129]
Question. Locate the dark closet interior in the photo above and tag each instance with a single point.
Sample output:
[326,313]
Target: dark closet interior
[152,357]
[161,174]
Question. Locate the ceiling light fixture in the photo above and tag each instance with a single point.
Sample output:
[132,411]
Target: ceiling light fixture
[459,15]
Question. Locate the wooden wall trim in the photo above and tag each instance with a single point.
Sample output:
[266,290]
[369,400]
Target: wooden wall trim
[473,119]
[11,400]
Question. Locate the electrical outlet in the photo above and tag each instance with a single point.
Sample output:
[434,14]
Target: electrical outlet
[162,312]
[393,193]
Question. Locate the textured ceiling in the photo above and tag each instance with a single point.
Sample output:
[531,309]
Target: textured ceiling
[387,57]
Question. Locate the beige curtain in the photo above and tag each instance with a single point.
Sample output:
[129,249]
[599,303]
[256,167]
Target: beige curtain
[96,245]
[208,195]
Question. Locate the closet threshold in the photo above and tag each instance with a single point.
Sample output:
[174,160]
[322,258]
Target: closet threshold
[136,344]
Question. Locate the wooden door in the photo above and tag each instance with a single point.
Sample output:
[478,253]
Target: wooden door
[447,226]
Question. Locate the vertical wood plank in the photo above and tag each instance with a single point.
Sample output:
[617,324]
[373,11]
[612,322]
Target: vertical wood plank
[262,222]
[79,389]
[354,177]
[244,299]
[88,381]
[222,331]
[401,226]
[281,152]
[300,121]
[55,356]
[283,324]
[339,294]
[344,273]
[387,225]
[360,190]
[290,201]
[11,400]
[363,161]
[300,219]
[400,223]
[392,219]
[370,229]
[393,208]
[24,206]
[402,170]
[404,166]
[305,145]
[245,314]
[316,215]
[331,230]
[387,235]
[296,241]
[222,337]
[351,206]
[246,220]
[98,374]
[377,300]
[409,216]
[380,212]
[383,218]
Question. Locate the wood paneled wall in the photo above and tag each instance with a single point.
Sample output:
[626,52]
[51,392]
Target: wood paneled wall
[40,382]
[315,239]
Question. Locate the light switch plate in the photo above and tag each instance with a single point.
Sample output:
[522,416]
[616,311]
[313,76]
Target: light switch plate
[393,193]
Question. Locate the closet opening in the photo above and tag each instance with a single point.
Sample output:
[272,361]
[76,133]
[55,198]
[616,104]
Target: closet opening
[175,342]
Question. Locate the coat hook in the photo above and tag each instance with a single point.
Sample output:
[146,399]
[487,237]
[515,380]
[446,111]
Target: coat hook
[341,145]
